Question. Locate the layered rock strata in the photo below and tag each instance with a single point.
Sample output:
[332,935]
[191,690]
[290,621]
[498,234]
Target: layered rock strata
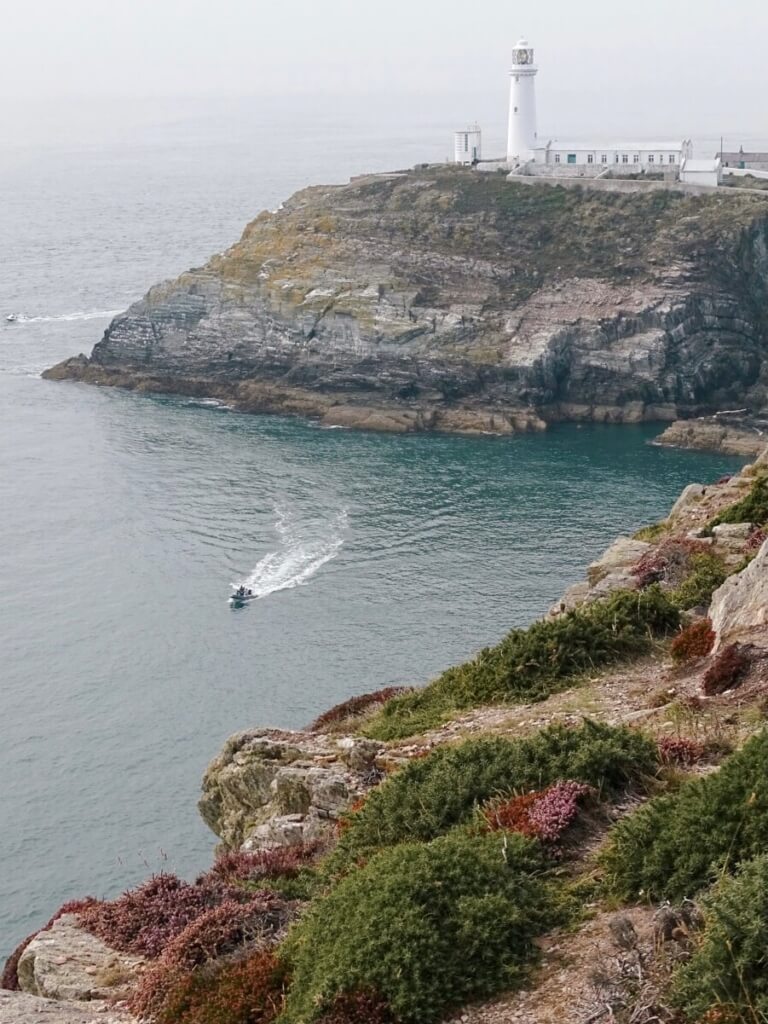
[439,299]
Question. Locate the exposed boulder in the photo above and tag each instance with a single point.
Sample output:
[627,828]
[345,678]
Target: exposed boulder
[22,1008]
[743,436]
[272,788]
[66,962]
[617,560]
[739,609]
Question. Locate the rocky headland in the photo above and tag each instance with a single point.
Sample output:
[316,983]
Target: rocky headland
[442,299]
[570,825]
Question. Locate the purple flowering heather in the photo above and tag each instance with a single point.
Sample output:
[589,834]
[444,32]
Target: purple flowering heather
[556,809]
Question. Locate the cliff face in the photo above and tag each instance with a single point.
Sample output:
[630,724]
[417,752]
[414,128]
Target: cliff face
[444,298]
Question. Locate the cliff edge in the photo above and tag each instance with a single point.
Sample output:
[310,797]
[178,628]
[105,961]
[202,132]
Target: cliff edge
[444,299]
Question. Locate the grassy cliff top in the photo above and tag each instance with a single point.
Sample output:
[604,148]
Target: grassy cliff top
[425,224]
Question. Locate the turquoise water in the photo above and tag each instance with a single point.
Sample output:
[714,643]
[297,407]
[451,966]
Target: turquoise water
[124,519]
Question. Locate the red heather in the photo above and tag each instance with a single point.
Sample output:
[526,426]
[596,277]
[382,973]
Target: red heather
[726,671]
[145,919]
[694,642]
[662,563]
[755,541]
[241,866]
[356,706]
[680,751]
[249,990]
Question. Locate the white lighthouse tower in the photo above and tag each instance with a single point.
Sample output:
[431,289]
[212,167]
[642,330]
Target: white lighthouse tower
[522,138]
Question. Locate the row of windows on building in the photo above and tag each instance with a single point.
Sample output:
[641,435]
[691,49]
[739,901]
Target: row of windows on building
[618,158]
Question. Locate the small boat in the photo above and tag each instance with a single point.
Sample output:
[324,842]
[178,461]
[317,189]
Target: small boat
[12,318]
[241,597]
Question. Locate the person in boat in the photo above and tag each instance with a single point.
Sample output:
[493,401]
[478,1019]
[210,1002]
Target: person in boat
[250,593]
[240,592]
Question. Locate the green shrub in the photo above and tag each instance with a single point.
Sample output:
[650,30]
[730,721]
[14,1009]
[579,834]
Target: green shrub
[730,967]
[426,926]
[653,532]
[530,664]
[678,843]
[708,573]
[751,509]
[433,794]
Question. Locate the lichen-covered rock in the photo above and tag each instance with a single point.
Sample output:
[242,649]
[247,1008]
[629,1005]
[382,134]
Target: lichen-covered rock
[439,299]
[621,555]
[66,962]
[272,788]
[22,1008]
[742,436]
[739,609]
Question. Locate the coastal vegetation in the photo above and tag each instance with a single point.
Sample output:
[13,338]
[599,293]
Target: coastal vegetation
[464,852]
[678,843]
[434,794]
[530,664]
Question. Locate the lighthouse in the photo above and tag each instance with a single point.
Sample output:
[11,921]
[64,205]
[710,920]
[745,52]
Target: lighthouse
[522,138]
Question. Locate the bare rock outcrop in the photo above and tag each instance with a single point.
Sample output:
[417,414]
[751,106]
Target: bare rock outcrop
[736,435]
[739,609]
[22,1008]
[270,788]
[441,299]
[65,962]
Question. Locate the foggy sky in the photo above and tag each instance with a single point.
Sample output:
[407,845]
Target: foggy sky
[648,66]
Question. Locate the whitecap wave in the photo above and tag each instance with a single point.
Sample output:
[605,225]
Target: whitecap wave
[91,314]
[304,549]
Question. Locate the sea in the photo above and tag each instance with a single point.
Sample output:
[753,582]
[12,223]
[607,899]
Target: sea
[124,519]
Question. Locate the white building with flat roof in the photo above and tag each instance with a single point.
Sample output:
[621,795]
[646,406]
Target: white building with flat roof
[631,157]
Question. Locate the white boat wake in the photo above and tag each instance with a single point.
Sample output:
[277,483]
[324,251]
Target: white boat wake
[93,314]
[304,549]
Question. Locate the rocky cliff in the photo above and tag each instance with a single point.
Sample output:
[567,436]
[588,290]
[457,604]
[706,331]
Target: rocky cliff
[444,299]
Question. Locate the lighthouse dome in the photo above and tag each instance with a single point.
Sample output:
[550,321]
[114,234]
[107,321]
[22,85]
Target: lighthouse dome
[522,54]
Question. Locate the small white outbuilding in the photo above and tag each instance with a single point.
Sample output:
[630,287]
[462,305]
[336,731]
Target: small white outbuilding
[701,172]
[468,145]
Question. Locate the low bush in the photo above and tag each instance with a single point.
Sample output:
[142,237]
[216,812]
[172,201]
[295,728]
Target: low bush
[434,793]
[676,750]
[427,926]
[677,843]
[231,928]
[358,1008]
[10,977]
[726,671]
[247,990]
[261,865]
[751,509]
[669,562]
[652,532]
[530,664]
[707,574]
[755,541]
[729,968]
[694,642]
[144,920]
[545,815]
[354,707]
